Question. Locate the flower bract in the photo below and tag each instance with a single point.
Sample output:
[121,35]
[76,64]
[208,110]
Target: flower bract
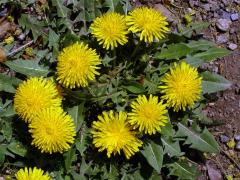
[33,95]
[148,115]
[113,133]
[77,65]
[31,174]
[181,86]
[148,22]
[52,130]
[110,30]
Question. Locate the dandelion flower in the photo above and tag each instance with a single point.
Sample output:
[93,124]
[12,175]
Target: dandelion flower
[148,115]
[110,30]
[148,22]
[33,95]
[182,86]
[31,174]
[9,40]
[52,130]
[77,64]
[113,133]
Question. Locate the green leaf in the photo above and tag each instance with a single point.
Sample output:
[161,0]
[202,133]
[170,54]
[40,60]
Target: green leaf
[112,4]
[212,82]
[126,6]
[173,51]
[193,61]
[198,114]
[204,142]
[81,141]
[200,45]
[8,83]
[84,167]
[53,41]
[197,27]
[77,113]
[61,9]
[7,130]
[154,155]
[29,22]
[167,130]
[28,67]
[106,60]
[171,148]
[183,171]
[17,148]
[135,88]
[3,150]
[212,54]
[69,157]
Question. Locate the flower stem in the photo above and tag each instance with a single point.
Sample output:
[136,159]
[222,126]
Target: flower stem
[115,57]
[135,50]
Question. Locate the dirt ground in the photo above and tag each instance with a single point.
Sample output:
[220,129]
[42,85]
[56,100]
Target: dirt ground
[224,106]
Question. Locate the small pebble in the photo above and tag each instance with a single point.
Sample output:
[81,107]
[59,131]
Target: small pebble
[238,146]
[237,1]
[221,39]
[224,139]
[39,18]
[225,2]
[21,37]
[237,137]
[234,17]
[232,30]
[232,46]
[223,24]
[206,7]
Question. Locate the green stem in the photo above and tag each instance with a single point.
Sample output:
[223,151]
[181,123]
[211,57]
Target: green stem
[115,57]
[135,50]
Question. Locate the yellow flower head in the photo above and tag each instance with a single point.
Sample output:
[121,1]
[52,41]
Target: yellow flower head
[110,30]
[52,130]
[31,174]
[77,64]
[148,22]
[113,133]
[182,86]
[9,40]
[33,95]
[148,115]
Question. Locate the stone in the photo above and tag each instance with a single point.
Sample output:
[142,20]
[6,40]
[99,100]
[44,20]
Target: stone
[206,7]
[193,3]
[225,15]
[237,137]
[232,46]
[237,1]
[21,37]
[214,174]
[223,24]
[234,17]
[221,39]
[238,146]
[165,12]
[224,139]
[225,2]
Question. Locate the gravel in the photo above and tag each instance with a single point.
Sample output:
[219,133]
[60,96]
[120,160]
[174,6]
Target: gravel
[224,139]
[232,46]
[238,146]
[223,24]
[221,39]
[237,137]
[234,17]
